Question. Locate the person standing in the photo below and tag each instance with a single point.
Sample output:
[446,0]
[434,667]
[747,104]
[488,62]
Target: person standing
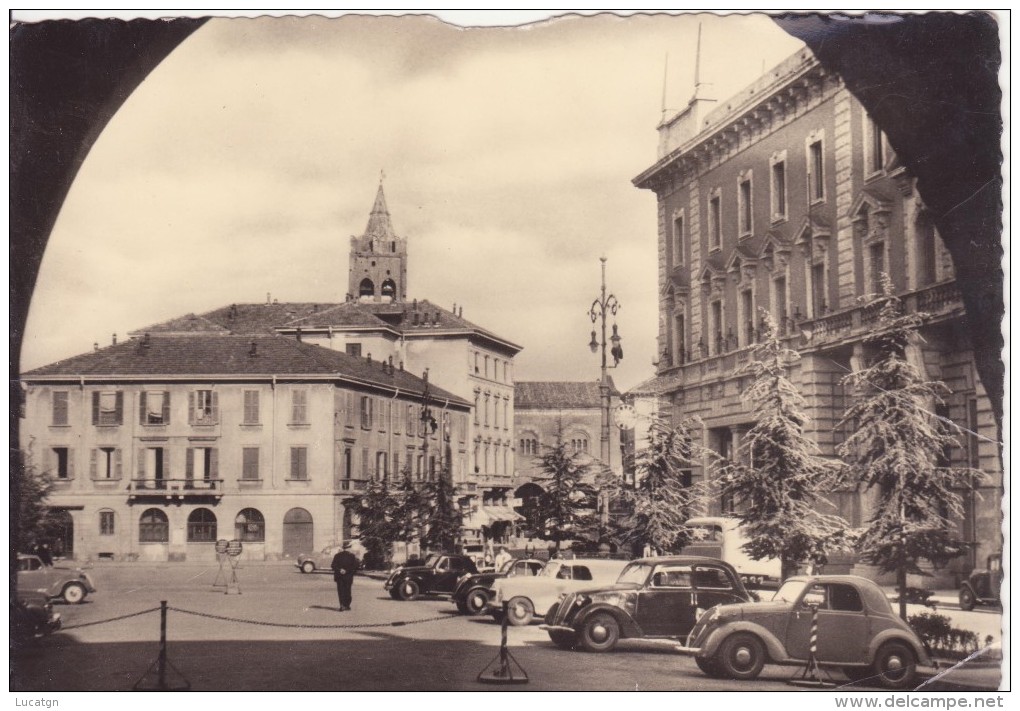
[502,557]
[344,566]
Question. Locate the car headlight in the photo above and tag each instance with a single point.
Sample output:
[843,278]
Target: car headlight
[582,600]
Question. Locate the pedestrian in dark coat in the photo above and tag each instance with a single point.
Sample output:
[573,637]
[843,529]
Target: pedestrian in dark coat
[43,551]
[344,566]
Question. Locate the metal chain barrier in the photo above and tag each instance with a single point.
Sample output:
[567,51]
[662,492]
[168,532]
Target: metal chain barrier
[262,623]
[111,619]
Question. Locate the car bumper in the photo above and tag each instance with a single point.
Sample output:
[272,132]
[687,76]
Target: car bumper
[557,628]
[683,649]
[54,624]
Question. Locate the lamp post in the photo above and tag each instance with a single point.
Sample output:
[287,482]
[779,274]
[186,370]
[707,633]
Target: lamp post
[428,425]
[600,308]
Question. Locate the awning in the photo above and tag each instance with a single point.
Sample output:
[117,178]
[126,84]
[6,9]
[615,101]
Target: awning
[502,513]
[478,518]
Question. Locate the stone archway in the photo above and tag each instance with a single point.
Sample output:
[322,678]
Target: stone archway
[298,533]
[529,495]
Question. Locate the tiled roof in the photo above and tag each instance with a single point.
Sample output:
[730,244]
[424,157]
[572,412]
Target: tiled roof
[175,356]
[185,324]
[239,319]
[552,395]
[657,385]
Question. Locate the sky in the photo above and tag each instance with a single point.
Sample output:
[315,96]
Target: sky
[245,161]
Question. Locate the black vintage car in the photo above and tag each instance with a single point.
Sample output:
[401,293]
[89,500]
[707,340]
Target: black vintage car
[474,591]
[983,585]
[653,597]
[31,617]
[437,576]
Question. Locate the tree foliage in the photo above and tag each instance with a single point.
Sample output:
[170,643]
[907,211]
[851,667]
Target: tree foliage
[440,516]
[780,481]
[379,527]
[894,447]
[567,509]
[35,522]
[661,499]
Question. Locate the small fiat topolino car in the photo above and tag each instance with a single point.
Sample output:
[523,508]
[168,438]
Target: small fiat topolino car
[437,576]
[858,632]
[652,598]
[474,591]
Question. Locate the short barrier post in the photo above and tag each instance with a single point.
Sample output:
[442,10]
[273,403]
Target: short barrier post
[812,673]
[504,668]
[159,669]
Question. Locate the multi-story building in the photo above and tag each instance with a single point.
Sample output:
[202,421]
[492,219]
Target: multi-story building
[162,444]
[787,197]
[550,413]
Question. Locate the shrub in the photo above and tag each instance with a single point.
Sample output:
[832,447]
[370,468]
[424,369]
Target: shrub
[918,596]
[938,634]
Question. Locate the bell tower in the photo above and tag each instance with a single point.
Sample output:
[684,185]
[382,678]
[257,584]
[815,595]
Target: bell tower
[378,263]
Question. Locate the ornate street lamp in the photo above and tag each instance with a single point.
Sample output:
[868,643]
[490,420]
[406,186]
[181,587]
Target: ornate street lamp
[600,308]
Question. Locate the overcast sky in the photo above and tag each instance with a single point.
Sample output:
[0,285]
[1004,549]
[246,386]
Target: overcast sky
[247,159]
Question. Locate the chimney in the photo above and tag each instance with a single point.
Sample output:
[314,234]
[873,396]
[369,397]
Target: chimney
[435,319]
[146,342]
[269,298]
[454,308]
[95,346]
[401,366]
[461,314]
[414,318]
[233,312]
[115,339]
[368,357]
[414,306]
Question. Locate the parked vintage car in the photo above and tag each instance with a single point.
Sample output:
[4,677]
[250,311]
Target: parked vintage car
[31,617]
[323,560]
[722,537]
[438,576]
[982,586]
[70,584]
[858,632]
[526,595]
[653,597]
[473,591]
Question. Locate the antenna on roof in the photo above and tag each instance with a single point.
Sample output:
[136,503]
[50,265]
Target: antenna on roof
[697,63]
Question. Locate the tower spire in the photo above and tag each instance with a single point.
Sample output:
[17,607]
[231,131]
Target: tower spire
[379,224]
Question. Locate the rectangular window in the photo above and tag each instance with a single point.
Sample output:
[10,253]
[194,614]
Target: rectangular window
[105,463]
[973,449]
[476,362]
[204,407]
[59,407]
[299,407]
[506,417]
[106,523]
[486,366]
[876,254]
[201,463]
[251,407]
[299,463]
[412,421]
[364,463]
[381,470]
[487,404]
[396,464]
[478,400]
[153,465]
[680,339]
[747,317]
[876,147]
[817,168]
[353,349]
[62,463]
[779,303]
[366,412]
[778,190]
[250,463]
[744,198]
[818,300]
[495,413]
[717,344]
[154,407]
[715,222]
[679,247]
[107,408]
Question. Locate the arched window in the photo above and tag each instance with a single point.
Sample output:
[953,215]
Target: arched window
[389,288]
[579,444]
[201,526]
[367,288]
[153,527]
[250,526]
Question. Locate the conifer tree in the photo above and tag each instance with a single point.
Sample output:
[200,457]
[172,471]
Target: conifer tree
[780,482]
[377,523]
[661,498]
[894,447]
[34,521]
[441,519]
[567,508]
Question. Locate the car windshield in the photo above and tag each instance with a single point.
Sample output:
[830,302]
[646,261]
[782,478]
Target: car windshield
[508,566]
[790,591]
[636,573]
[431,560]
[550,569]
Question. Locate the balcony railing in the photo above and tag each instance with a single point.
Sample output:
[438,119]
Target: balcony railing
[354,484]
[159,485]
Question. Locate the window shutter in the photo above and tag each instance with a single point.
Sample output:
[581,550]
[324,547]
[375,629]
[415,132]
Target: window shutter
[93,463]
[294,462]
[141,463]
[70,463]
[189,463]
[166,407]
[214,463]
[118,468]
[191,407]
[215,406]
[48,459]
[95,408]
[166,462]
[119,415]
[141,407]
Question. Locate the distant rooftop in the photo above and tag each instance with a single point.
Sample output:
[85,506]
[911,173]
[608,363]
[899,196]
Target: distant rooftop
[538,395]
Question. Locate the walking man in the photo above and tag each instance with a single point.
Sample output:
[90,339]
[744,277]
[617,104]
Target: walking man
[344,566]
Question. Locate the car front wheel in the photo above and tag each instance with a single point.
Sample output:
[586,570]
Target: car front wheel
[407,590]
[600,632]
[476,601]
[74,593]
[308,567]
[967,599]
[562,639]
[894,666]
[856,674]
[709,667]
[741,656]
[521,611]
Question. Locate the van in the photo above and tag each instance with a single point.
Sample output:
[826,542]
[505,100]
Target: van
[722,537]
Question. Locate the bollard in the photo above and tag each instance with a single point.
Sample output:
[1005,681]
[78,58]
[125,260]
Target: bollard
[162,665]
[811,675]
[504,669]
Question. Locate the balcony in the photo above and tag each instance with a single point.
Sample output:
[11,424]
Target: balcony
[172,489]
[354,485]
